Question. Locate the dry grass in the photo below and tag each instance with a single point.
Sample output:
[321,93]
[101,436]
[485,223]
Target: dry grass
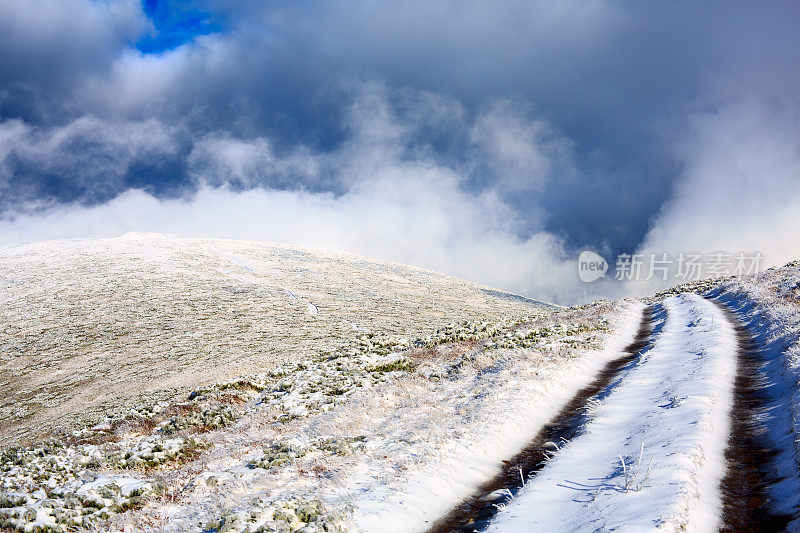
[442,353]
[92,326]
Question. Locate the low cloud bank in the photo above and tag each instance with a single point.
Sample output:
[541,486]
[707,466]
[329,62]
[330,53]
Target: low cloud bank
[386,194]
[740,187]
[418,221]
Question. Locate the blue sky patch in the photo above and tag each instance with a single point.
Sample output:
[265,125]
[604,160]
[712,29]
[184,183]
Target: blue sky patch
[176,23]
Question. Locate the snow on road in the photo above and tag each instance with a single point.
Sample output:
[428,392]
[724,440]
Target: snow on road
[653,453]
[420,495]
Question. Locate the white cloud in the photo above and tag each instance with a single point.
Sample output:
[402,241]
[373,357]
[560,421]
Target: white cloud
[523,154]
[397,200]
[422,219]
[740,187]
[385,194]
[219,159]
[87,152]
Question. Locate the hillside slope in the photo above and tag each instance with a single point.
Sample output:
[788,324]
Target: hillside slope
[93,325]
[679,412]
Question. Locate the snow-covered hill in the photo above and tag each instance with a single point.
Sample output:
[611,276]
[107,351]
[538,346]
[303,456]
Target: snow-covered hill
[93,325]
[677,412]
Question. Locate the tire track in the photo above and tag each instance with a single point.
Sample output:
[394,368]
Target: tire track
[751,453]
[475,512]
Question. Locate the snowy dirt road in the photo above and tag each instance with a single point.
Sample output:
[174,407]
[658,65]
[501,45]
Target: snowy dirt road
[678,433]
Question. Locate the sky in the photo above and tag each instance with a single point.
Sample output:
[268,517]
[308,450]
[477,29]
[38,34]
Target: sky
[493,141]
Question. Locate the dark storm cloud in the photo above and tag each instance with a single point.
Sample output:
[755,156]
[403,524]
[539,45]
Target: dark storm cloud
[48,48]
[570,115]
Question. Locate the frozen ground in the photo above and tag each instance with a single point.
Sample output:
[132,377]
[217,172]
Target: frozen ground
[93,325]
[390,430]
[700,434]
[652,454]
